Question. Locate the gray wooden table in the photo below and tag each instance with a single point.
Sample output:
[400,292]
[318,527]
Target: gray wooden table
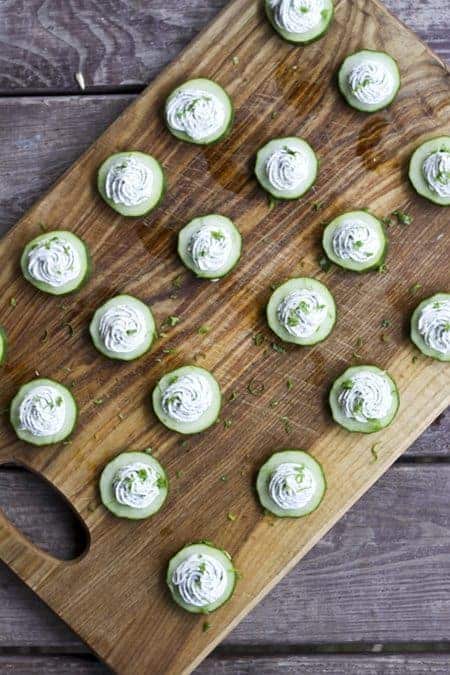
[374,595]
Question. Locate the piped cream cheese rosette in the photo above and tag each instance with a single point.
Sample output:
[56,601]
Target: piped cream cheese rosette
[369,80]
[355,241]
[56,262]
[199,111]
[300,21]
[430,327]
[429,170]
[286,168]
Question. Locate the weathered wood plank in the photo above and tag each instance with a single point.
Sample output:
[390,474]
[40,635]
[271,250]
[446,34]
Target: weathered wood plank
[381,574]
[122,43]
[333,664]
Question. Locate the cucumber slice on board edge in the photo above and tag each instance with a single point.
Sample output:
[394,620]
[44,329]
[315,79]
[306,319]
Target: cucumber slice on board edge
[365,218]
[307,37]
[206,420]
[222,223]
[356,59]
[3,345]
[293,143]
[301,283]
[209,87]
[71,413]
[107,491]
[417,338]
[147,316]
[290,456]
[81,251]
[371,426]
[416,177]
[202,548]
[158,186]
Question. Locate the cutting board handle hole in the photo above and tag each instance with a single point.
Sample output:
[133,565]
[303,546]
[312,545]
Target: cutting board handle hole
[41,513]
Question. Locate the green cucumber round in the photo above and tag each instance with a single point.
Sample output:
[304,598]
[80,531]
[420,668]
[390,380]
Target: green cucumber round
[201,578]
[355,241]
[286,168]
[3,345]
[124,480]
[56,262]
[39,404]
[132,183]
[430,327]
[210,246]
[369,80]
[187,400]
[285,17]
[349,384]
[123,328]
[293,303]
[429,170]
[190,111]
[291,484]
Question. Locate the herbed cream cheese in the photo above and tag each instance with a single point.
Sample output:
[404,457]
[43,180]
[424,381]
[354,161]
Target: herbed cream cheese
[198,114]
[210,247]
[356,241]
[291,486]
[286,169]
[54,261]
[136,485]
[371,82]
[200,580]
[434,325]
[187,398]
[42,412]
[365,396]
[302,313]
[122,328]
[129,181]
[436,171]
[297,16]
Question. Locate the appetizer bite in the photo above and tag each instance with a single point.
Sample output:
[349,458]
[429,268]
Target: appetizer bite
[300,21]
[286,168]
[430,327]
[429,170]
[369,80]
[133,485]
[132,183]
[187,400]
[356,241]
[56,262]
[291,484]
[301,311]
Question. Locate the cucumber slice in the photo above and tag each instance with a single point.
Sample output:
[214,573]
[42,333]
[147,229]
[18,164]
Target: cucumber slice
[134,485]
[356,241]
[123,328]
[364,399]
[199,111]
[43,412]
[132,183]
[210,246]
[429,170]
[291,484]
[56,262]
[286,168]
[369,80]
[187,400]
[430,327]
[201,578]
[3,345]
[301,311]
[300,21]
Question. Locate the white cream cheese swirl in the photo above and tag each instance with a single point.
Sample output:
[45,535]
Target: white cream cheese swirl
[210,248]
[198,114]
[370,82]
[434,325]
[129,182]
[122,329]
[187,398]
[136,485]
[301,313]
[356,241]
[436,171]
[365,396]
[54,261]
[291,486]
[200,580]
[42,412]
[297,16]
[286,169]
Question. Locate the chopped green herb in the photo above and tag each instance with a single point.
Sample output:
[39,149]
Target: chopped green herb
[224,478]
[274,114]
[387,221]
[255,388]
[231,517]
[13,302]
[374,451]
[289,383]
[227,424]
[42,227]
[385,323]
[98,401]
[177,282]
[384,337]
[317,206]
[235,60]
[382,269]
[359,342]
[272,202]
[403,218]
[273,403]
[258,339]
[170,350]
[233,396]
[347,384]
[324,264]
[415,288]
[287,424]
[415,358]
[171,321]
[206,626]
[203,330]
[356,356]
[44,336]
[178,474]
[278,348]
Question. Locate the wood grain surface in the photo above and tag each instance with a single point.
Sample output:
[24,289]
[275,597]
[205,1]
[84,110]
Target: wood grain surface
[388,353]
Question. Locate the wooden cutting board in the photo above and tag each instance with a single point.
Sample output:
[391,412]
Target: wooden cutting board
[114,596]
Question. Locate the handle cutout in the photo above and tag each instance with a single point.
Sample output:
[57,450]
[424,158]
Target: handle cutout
[41,513]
